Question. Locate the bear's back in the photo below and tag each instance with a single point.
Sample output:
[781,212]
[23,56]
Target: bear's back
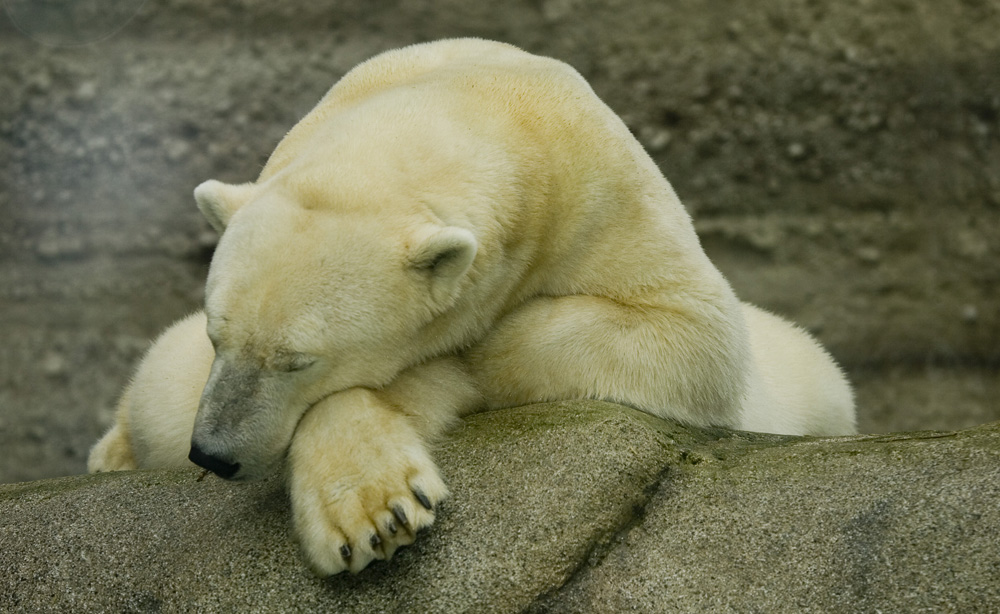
[499,75]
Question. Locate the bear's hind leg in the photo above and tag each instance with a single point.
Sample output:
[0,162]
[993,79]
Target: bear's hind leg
[157,411]
[112,452]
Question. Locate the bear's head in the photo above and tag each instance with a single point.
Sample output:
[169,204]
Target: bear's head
[305,299]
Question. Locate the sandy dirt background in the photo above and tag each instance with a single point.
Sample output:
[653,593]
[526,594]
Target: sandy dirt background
[840,159]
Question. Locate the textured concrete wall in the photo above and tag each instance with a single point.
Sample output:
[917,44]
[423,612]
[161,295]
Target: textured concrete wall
[840,159]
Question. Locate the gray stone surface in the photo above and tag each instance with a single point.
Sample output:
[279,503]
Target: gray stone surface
[897,523]
[569,507]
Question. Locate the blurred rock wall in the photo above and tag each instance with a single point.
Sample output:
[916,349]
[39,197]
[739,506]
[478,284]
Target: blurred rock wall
[840,160]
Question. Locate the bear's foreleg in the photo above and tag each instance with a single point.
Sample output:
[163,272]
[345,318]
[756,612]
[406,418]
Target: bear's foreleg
[682,358]
[362,480]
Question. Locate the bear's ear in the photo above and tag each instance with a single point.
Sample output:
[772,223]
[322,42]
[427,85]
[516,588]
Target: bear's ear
[444,255]
[218,201]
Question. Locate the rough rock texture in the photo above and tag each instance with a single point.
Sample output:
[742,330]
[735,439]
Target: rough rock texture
[839,156]
[571,507]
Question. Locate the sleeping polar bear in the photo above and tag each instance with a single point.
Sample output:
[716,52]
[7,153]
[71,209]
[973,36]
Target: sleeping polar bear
[456,226]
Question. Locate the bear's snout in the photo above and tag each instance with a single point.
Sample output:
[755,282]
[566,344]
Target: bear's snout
[218,466]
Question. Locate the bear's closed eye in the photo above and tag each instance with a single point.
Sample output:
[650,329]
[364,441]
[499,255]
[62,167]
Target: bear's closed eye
[295,361]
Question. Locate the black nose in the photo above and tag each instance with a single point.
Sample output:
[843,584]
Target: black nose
[216,465]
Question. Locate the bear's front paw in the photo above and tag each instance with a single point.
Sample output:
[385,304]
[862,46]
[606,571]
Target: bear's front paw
[349,511]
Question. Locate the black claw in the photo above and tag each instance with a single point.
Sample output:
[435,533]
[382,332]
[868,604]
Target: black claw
[345,551]
[400,515]
[375,540]
[391,527]
[424,501]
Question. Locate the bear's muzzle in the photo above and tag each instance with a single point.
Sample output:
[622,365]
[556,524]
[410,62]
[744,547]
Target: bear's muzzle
[218,466]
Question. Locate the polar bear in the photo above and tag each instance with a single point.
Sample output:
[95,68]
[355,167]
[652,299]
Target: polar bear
[456,226]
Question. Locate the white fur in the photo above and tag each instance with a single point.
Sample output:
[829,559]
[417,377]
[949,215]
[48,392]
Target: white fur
[456,225]
[156,412]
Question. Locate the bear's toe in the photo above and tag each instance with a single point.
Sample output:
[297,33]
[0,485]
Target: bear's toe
[345,524]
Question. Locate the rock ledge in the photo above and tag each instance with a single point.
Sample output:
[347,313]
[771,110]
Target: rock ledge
[565,507]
